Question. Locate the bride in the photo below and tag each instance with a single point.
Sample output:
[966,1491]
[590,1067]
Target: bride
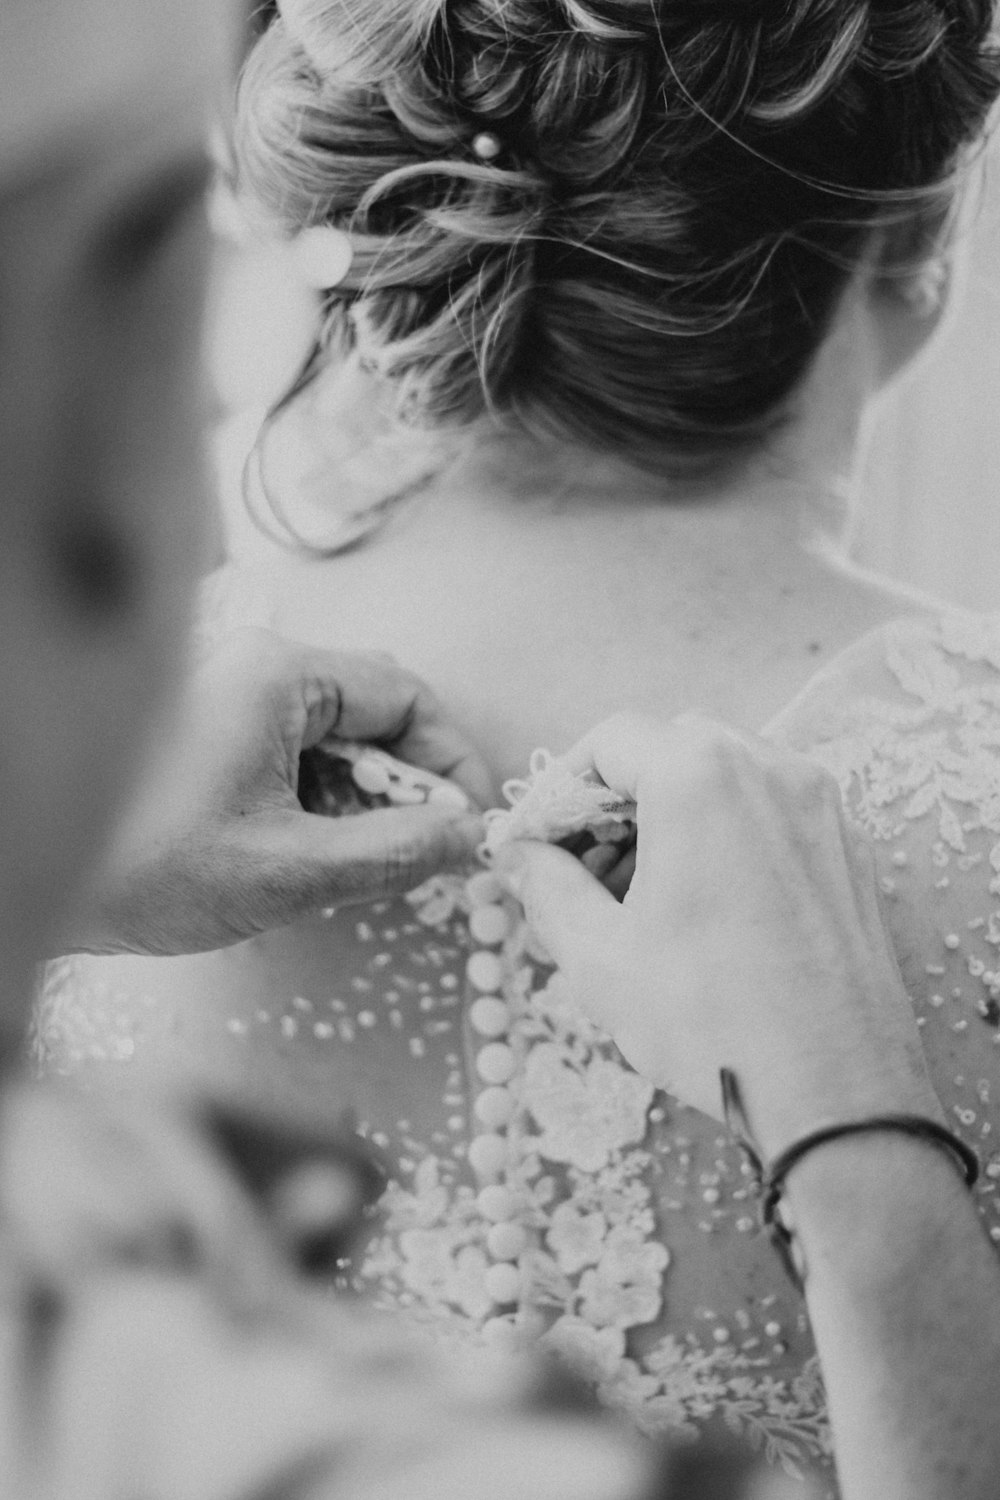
[608,289]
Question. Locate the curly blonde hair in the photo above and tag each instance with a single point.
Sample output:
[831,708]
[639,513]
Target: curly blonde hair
[683,190]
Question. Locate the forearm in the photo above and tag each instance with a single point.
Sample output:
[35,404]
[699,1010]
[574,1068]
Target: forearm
[903,1290]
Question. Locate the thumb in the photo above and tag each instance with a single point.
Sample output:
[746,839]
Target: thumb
[572,913]
[327,861]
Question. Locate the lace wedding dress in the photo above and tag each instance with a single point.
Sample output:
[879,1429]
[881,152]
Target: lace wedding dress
[540,1189]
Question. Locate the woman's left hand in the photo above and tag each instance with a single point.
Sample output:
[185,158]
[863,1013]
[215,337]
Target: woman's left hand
[751,935]
[218,848]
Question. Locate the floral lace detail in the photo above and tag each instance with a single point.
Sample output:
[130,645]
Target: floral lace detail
[909,722]
[918,762]
[551,804]
[935,751]
[584,1113]
[592,1259]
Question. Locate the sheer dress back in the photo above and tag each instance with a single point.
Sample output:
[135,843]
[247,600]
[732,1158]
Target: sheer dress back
[540,1189]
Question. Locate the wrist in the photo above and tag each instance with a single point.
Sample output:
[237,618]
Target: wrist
[862,1206]
[787,1111]
[831,1187]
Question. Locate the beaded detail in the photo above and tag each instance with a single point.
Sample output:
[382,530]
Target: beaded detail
[541,1189]
[556,1233]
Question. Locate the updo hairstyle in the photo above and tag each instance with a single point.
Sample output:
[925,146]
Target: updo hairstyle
[682,191]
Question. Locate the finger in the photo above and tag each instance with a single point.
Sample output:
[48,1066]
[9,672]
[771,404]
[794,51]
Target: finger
[431,739]
[619,878]
[328,861]
[435,743]
[366,696]
[699,787]
[623,751]
[569,909]
[647,760]
[629,750]
[301,694]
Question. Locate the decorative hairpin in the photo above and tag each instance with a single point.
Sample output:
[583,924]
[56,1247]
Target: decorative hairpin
[323,256]
[486,146]
[924,293]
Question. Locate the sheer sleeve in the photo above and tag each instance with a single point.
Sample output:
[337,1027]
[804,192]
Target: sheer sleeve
[909,723]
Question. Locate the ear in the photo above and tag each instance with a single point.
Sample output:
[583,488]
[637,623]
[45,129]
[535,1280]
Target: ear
[911,287]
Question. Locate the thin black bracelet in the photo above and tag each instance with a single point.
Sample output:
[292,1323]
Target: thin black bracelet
[769,1180]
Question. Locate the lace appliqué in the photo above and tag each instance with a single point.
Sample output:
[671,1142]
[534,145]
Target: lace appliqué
[918,763]
[557,1236]
[552,803]
[931,751]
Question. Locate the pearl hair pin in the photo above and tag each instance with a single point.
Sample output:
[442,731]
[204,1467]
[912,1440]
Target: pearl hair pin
[323,256]
[925,292]
[486,146]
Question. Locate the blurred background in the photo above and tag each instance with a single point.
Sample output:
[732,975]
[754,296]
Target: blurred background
[931,514]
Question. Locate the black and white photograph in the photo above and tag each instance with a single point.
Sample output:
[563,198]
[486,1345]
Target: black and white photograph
[500,749]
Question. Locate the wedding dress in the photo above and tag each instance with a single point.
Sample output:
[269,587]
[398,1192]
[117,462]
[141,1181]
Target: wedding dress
[541,1190]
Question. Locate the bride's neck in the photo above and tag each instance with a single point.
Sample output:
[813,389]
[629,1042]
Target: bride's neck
[800,487]
[797,494]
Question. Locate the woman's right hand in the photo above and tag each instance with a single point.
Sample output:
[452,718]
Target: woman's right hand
[751,935]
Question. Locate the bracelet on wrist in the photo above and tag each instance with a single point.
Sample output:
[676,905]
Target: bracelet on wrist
[769,1178]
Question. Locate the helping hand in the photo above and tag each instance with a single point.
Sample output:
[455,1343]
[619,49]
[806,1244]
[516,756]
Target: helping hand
[218,848]
[750,936]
